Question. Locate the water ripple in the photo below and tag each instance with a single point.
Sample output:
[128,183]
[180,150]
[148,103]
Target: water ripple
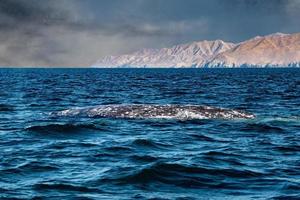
[89,155]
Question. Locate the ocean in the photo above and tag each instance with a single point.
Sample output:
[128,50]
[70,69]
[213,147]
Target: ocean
[46,156]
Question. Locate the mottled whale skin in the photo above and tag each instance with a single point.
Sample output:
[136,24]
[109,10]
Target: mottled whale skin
[156,111]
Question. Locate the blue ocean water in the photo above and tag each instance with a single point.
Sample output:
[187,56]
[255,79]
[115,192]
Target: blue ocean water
[46,157]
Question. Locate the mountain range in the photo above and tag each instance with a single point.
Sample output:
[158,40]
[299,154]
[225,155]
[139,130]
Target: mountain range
[275,50]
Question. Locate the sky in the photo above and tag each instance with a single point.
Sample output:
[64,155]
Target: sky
[76,33]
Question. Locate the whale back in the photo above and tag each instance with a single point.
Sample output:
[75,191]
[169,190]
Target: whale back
[156,111]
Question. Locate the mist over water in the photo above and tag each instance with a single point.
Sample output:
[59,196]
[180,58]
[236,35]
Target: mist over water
[66,157]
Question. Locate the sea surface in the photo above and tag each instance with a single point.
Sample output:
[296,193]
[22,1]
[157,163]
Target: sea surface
[59,157]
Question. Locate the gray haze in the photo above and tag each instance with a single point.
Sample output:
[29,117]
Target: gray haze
[79,32]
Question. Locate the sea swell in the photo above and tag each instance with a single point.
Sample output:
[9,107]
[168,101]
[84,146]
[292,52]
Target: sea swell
[187,176]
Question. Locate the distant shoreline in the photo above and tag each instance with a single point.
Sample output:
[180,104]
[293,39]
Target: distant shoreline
[154,68]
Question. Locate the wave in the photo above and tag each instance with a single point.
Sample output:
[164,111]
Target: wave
[118,149]
[186,176]
[144,158]
[291,119]
[6,108]
[284,197]
[64,187]
[180,112]
[31,167]
[261,128]
[288,149]
[147,143]
[201,137]
[63,128]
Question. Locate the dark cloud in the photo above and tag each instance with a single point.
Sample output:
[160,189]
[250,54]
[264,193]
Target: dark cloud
[78,32]
[20,12]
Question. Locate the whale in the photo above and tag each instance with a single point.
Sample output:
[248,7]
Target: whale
[145,111]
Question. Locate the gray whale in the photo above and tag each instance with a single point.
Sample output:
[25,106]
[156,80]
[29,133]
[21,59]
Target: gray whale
[143,111]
